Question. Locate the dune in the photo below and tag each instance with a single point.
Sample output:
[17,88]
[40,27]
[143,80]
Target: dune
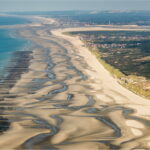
[68,100]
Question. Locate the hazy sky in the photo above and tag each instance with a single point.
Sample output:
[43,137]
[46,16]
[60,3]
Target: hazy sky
[50,5]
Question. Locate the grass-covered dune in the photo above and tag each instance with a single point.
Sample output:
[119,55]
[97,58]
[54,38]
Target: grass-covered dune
[126,54]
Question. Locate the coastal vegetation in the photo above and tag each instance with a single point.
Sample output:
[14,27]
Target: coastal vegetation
[125,54]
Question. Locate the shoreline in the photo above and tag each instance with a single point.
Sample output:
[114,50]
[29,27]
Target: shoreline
[17,64]
[90,57]
[116,73]
[110,84]
[75,100]
[21,60]
[14,73]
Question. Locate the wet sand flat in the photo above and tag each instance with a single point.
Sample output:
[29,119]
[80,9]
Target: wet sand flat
[68,101]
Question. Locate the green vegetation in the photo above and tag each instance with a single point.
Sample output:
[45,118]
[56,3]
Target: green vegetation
[125,50]
[115,72]
[124,54]
[123,79]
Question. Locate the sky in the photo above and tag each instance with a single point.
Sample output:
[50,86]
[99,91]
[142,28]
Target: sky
[55,5]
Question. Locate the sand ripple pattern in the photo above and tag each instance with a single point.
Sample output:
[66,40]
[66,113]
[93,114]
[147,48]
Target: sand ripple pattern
[55,105]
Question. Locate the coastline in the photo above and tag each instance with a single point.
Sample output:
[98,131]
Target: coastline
[109,81]
[116,73]
[21,60]
[18,62]
[122,95]
[65,93]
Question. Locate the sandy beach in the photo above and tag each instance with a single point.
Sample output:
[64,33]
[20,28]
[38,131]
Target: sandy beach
[67,100]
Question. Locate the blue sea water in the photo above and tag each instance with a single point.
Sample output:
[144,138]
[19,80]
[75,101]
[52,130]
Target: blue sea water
[8,43]
[10,20]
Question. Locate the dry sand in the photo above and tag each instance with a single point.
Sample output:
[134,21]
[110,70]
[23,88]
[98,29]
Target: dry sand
[119,94]
[67,100]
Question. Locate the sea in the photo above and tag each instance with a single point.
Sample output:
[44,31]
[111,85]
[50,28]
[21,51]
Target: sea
[9,41]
